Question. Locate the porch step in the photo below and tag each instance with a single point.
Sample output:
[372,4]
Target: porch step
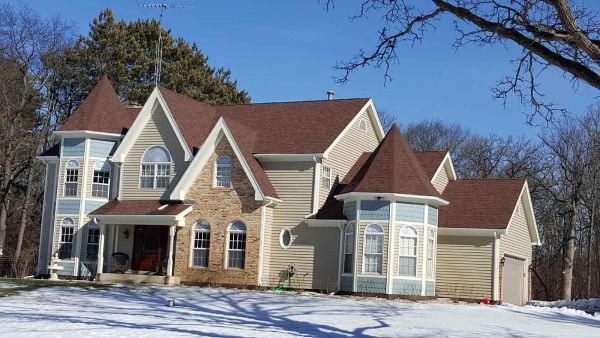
[136,279]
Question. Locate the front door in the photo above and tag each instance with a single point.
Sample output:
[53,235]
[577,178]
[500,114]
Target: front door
[150,248]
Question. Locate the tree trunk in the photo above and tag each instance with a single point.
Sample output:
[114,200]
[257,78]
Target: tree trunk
[4,204]
[588,292]
[570,254]
[25,211]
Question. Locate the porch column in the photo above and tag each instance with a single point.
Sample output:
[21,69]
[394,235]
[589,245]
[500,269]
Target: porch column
[100,260]
[171,248]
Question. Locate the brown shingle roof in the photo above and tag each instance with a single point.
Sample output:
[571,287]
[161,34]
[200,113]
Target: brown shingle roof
[392,168]
[430,160]
[301,127]
[486,204]
[101,111]
[140,208]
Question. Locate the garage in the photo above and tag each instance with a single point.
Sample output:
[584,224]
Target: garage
[513,281]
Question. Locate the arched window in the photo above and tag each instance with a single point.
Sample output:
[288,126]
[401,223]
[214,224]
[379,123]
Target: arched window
[155,171]
[71,178]
[236,250]
[101,179]
[223,172]
[67,230]
[349,248]
[373,250]
[431,253]
[362,125]
[407,260]
[201,244]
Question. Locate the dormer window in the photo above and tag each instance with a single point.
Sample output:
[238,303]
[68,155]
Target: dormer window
[223,172]
[71,178]
[155,171]
[101,179]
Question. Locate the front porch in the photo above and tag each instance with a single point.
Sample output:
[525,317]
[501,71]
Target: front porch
[137,241]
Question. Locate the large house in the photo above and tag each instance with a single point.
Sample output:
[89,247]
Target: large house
[309,194]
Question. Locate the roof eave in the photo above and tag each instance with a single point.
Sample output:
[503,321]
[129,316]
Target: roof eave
[433,200]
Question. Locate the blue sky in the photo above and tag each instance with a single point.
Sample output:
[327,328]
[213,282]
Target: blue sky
[286,50]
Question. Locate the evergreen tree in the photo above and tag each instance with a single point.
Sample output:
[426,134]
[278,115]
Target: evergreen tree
[126,52]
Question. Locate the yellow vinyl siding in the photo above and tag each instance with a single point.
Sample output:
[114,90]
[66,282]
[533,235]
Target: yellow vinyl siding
[314,251]
[349,148]
[157,131]
[516,241]
[464,267]
[440,181]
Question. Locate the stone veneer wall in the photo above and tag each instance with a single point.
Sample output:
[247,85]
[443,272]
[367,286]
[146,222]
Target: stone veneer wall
[220,207]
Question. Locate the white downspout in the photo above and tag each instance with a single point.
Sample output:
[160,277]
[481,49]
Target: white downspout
[496,267]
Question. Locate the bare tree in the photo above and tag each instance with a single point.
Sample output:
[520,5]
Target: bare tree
[561,34]
[387,119]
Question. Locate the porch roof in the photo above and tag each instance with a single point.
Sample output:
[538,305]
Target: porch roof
[141,208]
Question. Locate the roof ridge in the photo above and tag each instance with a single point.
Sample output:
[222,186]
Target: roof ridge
[299,101]
[492,179]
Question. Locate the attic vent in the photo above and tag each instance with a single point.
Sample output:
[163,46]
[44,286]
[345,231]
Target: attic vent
[330,94]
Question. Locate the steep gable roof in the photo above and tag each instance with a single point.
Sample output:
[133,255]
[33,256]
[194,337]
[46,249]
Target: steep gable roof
[301,127]
[480,203]
[430,161]
[101,111]
[392,168]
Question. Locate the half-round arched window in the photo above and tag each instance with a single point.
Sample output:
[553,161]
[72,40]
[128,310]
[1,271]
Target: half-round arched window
[201,244]
[349,247]
[101,179]
[223,172]
[407,259]
[236,247]
[71,178]
[155,171]
[67,231]
[373,250]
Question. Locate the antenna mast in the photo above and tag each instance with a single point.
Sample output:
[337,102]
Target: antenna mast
[159,44]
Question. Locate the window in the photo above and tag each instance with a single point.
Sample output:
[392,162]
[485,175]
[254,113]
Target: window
[373,249]
[201,244]
[67,229]
[236,253]
[362,125]
[285,238]
[93,239]
[101,179]
[349,248]
[71,178]
[326,178]
[431,253]
[223,172]
[407,261]
[155,171]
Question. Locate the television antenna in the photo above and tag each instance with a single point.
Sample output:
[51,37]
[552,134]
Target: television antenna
[162,6]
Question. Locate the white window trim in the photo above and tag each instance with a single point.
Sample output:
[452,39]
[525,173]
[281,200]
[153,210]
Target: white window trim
[415,256]
[433,245]
[155,175]
[382,234]
[215,185]
[87,242]
[281,244]
[328,177]
[229,231]
[193,244]
[102,184]
[72,242]
[349,226]
[76,182]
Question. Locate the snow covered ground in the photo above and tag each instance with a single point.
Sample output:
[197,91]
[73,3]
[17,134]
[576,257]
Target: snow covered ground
[591,305]
[141,311]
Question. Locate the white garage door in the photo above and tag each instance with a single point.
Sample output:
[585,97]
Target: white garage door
[513,281]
